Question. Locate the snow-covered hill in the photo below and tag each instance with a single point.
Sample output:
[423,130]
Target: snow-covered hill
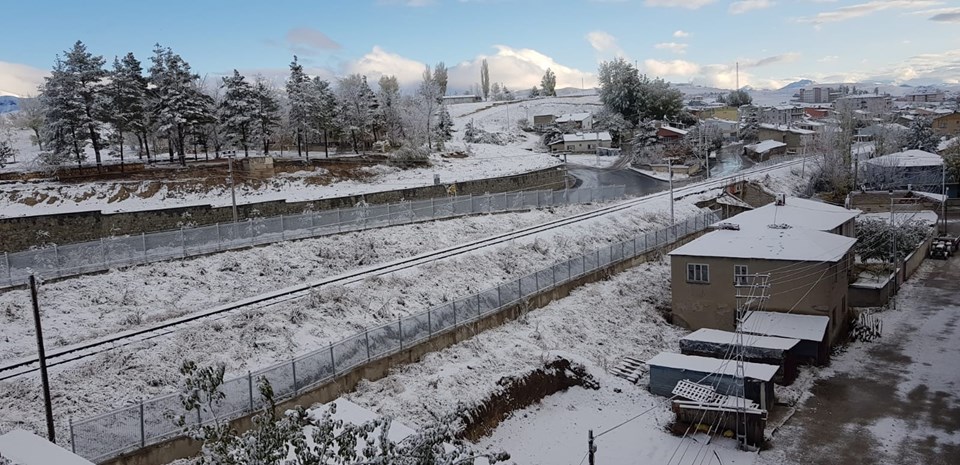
[8,103]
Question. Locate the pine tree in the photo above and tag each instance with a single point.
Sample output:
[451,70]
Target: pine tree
[266,113]
[443,131]
[63,115]
[128,100]
[177,103]
[237,110]
[358,104]
[298,94]
[323,109]
[485,78]
[440,76]
[549,83]
[88,76]
[921,136]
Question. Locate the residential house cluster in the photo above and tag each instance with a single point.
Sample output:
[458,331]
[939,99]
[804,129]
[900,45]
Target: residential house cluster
[576,132]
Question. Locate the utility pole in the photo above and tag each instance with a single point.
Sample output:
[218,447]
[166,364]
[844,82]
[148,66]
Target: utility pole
[670,177]
[757,286]
[592,448]
[42,356]
[233,190]
[943,191]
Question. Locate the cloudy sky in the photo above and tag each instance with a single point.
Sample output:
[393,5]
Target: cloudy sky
[698,41]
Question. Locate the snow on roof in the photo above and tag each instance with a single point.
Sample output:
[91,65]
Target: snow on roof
[804,327]
[572,117]
[587,136]
[673,129]
[765,243]
[947,144]
[780,127]
[728,199]
[759,371]
[765,146]
[716,336]
[908,158]
[25,448]
[796,212]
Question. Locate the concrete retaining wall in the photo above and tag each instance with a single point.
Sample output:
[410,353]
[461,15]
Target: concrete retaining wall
[182,447]
[24,232]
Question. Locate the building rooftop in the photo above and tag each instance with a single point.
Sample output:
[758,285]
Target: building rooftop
[758,371]
[25,448]
[587,136]
[796,212]
[769,243]
[791,325]
[765,146]
[908,158]
[783,128]
[716,336]
[573,117]
[674,130]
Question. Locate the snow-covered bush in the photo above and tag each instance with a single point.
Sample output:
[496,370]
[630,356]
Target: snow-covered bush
[475,135]
[308,437]
[874,236]
[408,155]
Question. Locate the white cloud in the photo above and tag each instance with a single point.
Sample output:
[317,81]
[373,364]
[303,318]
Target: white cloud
[680,33]
[604,43]
[788,57]
[828,59]
[20,80]
[379,62]
[518,69]
[688,4]
[946,15]
[744,6]
[308,41]
[673,68]
[867,8]
[674,47]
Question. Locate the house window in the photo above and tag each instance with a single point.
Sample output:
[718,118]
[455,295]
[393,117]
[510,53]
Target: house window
[697,273]
[571,147]
[740,275]
[589,147]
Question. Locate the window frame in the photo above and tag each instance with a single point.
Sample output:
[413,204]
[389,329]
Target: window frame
[740,274]
[698,273]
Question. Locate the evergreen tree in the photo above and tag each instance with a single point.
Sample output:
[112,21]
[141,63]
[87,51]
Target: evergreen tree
[63,114]
[620,88]
[389,98]
[323,108]
[237,110]
[266,113]
[921,136]
[178,104]
[738,98]
[485,78]
[440,76]
[443,131]
[88,78]
[299,95]
[358,104]
[658,100]
[534,92]
[128,99]
[549,83]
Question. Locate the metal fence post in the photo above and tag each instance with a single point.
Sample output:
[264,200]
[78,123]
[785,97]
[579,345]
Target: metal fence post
[183,242]
[598,259]
[433,207]
[454,313]
[519,289]
[499,298]
[645,246]
[218,237]
[199,419]
[366,335]
[333,363]
[143,436]
[250,388]
[293,369]
[478,306]
[73,443]
[339,222]
[429,324]
[283,230]
[536,277]
[6,260]
[400,330]
[56,256]
[103,253]
[569,270]
[143,240]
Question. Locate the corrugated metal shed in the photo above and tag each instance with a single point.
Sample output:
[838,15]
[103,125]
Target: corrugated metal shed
[757,349]
[668,369]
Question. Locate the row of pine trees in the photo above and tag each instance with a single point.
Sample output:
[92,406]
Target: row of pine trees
[170,108]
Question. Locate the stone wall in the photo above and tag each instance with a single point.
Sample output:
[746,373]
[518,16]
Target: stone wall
[21,233]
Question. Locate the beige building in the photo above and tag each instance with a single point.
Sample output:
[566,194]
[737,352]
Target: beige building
[581,142]
[947,124]
[806,247]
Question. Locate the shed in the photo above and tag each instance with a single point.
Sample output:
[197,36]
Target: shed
[811,330]
[667,369]
[25,448]
[715,343]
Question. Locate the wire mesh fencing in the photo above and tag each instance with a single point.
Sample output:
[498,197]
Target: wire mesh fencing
[86,257]
[108,435]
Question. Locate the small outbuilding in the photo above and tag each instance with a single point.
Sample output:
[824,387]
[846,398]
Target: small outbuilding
[765,149]
[811,330]
[667,369]
[719,344]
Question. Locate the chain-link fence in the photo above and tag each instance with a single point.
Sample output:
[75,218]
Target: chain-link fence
[108,435]
[87,257]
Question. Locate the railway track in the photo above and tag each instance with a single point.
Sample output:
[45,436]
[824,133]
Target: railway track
[74,352]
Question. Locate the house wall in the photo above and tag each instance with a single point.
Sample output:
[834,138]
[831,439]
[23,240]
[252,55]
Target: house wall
[579,146]
[806,288]
[947,125]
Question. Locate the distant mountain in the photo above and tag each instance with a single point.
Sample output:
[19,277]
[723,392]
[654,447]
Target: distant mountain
[8,104]
[798,85]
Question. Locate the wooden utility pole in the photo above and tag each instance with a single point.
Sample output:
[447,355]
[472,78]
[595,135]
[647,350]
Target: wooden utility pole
[42,356]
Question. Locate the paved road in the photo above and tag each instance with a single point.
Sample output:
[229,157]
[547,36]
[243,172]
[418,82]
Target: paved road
[892,401]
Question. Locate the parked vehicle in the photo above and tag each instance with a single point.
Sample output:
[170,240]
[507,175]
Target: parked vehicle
[944,247]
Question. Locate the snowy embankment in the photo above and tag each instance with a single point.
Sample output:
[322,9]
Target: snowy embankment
[257,338]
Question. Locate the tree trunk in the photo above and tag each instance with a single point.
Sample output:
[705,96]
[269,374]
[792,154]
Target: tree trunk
[326,150]
[140,145]
[36,132]
[120,134]
[353,135]
[96,145]
[170,145]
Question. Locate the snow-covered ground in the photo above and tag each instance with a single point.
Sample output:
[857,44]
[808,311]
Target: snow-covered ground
[81,308]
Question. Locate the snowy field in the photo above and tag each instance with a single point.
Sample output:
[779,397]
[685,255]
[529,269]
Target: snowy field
[81,308]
